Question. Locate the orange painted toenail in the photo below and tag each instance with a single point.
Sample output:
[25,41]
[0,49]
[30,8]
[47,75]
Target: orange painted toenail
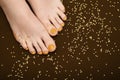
[62,24]
[40,52]
[33,52]
[45,52]
[51,48]
[53,31]
[26,48]
[65,18]
[60,29]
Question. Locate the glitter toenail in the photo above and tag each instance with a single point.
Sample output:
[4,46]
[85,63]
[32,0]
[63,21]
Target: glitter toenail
[51,48]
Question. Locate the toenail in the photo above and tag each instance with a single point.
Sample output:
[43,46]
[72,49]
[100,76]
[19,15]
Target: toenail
[53,31]
[51,48]
[26,48]
[60,29]
[33,52]
[40,52]
[45,52]
[62,24]
[65,18]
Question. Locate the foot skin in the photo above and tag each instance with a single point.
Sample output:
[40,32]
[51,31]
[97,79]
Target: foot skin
[27,29]
[50,13]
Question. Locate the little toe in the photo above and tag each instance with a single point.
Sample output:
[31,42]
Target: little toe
[50,43]
[30,47]
[42,45]
[21,41]
[23,44]
[62,15]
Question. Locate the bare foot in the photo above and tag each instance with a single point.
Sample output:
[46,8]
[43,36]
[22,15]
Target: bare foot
[50,13]
[27,29]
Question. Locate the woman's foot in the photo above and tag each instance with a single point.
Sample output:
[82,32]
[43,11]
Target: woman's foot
[27,29]
[50,13]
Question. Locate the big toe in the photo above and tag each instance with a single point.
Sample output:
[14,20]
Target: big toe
[50,43]
[50,27]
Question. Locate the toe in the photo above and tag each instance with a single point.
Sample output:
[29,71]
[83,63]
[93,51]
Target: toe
[50,43]
[23,44]
[37,47]
[50,28]
[42,45]
[60,21]
[61,6]
[62,15]
[30,47]
[21,41]
[56,24]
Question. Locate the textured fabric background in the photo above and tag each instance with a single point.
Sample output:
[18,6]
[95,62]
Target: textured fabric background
[87,49]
